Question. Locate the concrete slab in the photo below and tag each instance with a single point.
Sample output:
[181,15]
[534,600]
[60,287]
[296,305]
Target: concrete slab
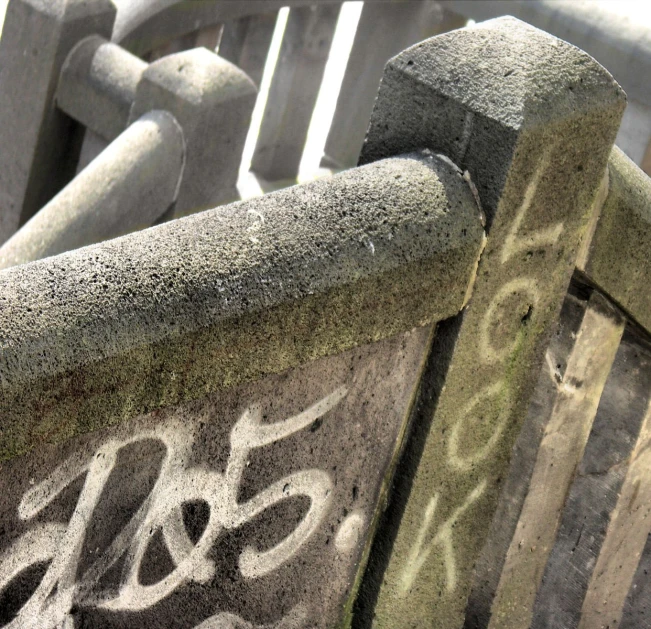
[241,509]
[532,119]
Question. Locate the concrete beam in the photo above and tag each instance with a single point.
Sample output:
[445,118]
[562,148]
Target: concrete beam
[230,295]
[213,102]
[617,259]
[128,187]
[39,144]
[98,85]
[532,119]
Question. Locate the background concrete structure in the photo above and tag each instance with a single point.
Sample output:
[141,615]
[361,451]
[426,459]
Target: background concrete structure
[416,393]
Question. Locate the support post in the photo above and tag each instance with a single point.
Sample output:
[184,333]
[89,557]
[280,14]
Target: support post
[39,144]
[532,119]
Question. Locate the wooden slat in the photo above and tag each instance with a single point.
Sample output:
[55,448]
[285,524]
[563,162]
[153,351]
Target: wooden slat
[583,582]
[561,450]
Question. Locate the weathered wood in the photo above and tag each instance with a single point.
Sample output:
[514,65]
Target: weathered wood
[294,91]
[560,452]
[491,562]
[384,30]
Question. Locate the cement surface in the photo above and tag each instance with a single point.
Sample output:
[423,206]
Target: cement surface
[618,260]
[244,509]
[97,335]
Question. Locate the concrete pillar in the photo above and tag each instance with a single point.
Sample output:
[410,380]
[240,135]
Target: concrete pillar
[39,144]
[294,91]
[532,120]
[384,30]
[245,42]
[213,102]
[129,186]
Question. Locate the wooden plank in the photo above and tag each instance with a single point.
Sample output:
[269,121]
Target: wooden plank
[560,452]
[572,582]
[294,90]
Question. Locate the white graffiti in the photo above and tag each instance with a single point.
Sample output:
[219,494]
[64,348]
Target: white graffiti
[516,242]
[60,589]
[419,553]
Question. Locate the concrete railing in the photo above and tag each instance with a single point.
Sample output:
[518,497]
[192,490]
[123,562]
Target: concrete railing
[415,394]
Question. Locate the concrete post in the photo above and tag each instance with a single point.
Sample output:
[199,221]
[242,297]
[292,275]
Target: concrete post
[39,143]
[294,91]
[532,119]
[245,42]
[128,187]
[213,102]
[384,30]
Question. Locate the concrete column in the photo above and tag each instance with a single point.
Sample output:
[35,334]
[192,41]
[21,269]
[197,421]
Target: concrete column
[294,91]
[532,120]
[128,187]
[39,144]
[245,42]
[213,102]
[384,30]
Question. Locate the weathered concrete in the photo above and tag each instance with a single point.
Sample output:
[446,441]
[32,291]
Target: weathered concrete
[618,259]
[384,30]
[229,295]
[213,101]
[245,42]
[534,127]
[614,37]
[294,90]
[98,85]
[128,187]
[39,143]
[241,509]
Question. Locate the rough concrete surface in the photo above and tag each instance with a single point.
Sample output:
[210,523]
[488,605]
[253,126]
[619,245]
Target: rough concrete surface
[39,143]
[98,85]
[213,101]
[240,510]
[196,305]
[533,120]
[618,260]
[127,187]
